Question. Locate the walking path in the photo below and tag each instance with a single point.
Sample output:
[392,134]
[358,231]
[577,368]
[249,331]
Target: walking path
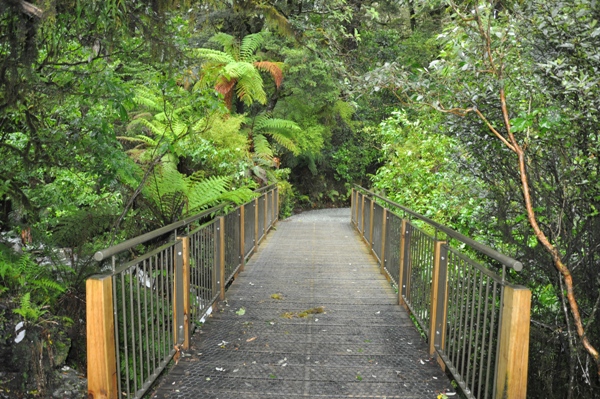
[310,317]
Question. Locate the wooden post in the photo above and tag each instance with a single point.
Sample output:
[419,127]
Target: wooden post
[221,238]
[401,263]
[439,298]
[100,327]
[273,207]
[352,207]
[514,344]
[277,203]
[242,236]
[182,292]
[383,234]
[370,242]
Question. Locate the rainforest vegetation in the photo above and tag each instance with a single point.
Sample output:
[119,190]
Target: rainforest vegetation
[118,117]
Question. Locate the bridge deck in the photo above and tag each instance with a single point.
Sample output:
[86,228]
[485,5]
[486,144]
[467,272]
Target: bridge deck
[362,345]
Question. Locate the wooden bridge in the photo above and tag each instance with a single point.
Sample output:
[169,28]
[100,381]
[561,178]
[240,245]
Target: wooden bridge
[340,303]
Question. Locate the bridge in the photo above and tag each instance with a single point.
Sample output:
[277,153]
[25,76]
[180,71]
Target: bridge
[371,301]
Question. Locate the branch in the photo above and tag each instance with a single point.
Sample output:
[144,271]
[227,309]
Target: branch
[31,10]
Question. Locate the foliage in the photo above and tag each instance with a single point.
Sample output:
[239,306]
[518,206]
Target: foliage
[172,195]
[237,68]
[421,172]
[505,76]
[31,284]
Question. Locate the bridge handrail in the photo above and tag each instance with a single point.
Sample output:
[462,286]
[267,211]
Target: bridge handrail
[125,245]
[484,249]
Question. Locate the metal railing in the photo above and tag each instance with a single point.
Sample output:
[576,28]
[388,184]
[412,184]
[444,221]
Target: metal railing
[143,311]
[475,321]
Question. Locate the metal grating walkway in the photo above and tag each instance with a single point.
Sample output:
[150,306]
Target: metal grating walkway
[363,345]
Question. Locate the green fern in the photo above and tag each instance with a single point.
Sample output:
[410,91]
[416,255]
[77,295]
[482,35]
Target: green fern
[262,147]
[283,131]
[29,311]
[173,195]
[237,68]
[214,56]
[251,44]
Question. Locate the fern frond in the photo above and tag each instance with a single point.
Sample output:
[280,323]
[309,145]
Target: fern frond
[146,97]
[205,193]
[250,88]
[156,127]
[214,57]
[262,147]
[250,44]
[274,68]
[282,126]
[239,196]
[48,286]
[285,142]
[237,70]
[138,139]
[224,85]
[228,42]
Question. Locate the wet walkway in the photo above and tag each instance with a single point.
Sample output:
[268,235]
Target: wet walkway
[310,317]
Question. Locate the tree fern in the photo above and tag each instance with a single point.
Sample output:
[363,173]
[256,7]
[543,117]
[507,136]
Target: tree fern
[173,195]
[250,44]
[214,57]
[262,147]
[236,69]
[228,42]
[281,130]
[285,142]
[274,68]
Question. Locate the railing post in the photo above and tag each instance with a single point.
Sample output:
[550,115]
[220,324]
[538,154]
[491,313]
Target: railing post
[383,236]
[242,236]
[181,304]
[276,202]
[371,223]
[404,277]
[401,262]
[221,256]
[439,300]
[352,205]
[101,352]
[513,352]
[362,219]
